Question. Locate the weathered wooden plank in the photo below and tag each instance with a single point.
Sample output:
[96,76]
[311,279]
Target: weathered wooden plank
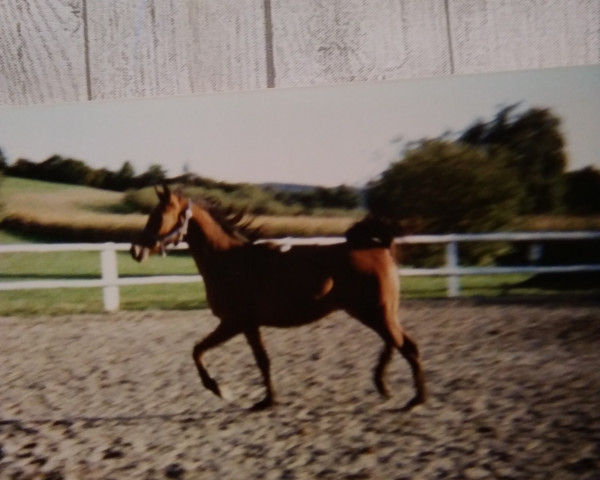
[521,34]
[71,50]
[320,41]
[41,54]
[156,47]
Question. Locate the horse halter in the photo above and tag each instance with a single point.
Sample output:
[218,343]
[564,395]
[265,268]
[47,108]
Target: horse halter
[178,233]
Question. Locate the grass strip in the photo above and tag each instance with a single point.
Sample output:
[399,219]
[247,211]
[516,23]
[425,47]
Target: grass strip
[192,296]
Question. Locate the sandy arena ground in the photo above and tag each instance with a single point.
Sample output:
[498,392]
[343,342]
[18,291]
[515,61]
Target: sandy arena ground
[514,393]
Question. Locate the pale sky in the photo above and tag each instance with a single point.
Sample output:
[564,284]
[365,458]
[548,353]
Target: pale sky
[334,135]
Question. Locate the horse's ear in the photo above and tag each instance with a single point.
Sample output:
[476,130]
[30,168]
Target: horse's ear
[165,195]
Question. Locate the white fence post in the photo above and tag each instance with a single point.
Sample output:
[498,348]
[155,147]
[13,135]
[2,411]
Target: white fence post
[453,282]
[108,265]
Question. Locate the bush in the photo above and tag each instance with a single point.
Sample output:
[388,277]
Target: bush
[583,191]
[535,146]
[143,200]
[447,187]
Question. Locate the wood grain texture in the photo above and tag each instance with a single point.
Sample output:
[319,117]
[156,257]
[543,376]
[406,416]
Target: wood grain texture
[73,50]
[41,58]
[156,47]
[512,35]
[322,42]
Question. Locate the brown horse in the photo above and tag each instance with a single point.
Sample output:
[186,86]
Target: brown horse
[249,284]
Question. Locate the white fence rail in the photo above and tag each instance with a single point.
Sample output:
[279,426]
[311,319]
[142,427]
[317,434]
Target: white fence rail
[110,281]
[453,271]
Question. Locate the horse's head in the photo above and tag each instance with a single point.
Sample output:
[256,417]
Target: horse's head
[167,224]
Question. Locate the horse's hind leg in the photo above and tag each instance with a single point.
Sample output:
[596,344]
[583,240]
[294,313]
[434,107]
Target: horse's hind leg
[393,336]
[264,364]
[410,352]
[379,372]
[221,334]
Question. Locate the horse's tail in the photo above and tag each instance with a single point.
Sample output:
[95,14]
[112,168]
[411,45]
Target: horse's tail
[372,232]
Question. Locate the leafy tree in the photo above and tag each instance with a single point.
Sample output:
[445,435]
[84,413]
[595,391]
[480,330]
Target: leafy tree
[342,196]
[537,151]
[153,176]
[100,178]
[309,199]
[448,187]
[126,171]
[22,168]
[123,178]
[65,170]
[583,191]
[2,169]
[3,161]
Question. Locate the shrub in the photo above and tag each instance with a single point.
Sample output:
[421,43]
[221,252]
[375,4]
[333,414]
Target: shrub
[448,188]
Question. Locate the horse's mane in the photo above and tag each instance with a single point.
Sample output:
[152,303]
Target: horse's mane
[235,222]
[371,231]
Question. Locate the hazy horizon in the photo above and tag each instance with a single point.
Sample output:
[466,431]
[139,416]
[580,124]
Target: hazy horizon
[341,134]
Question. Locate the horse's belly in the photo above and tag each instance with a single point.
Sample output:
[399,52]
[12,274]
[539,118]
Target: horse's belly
[295,314]
[289,321]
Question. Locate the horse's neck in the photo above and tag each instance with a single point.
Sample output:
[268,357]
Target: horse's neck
[206,238]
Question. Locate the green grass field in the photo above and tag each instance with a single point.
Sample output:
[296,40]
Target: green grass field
[86,265]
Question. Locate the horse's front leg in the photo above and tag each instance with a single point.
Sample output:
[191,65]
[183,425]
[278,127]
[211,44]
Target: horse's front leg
[264,364]
[221,334]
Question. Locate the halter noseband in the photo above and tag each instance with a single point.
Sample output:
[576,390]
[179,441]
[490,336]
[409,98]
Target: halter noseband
[179,231]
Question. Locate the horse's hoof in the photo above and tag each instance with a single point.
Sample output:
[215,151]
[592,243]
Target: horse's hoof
[262,405]
[213,386]
[384,393]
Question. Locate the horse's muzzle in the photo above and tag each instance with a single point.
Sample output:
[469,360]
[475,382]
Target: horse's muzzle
[139,252]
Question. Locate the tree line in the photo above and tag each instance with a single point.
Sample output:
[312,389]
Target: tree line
[72,171]
[482,178]
[76,172]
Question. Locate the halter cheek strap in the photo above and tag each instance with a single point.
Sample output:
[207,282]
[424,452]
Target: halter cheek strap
[179,232]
